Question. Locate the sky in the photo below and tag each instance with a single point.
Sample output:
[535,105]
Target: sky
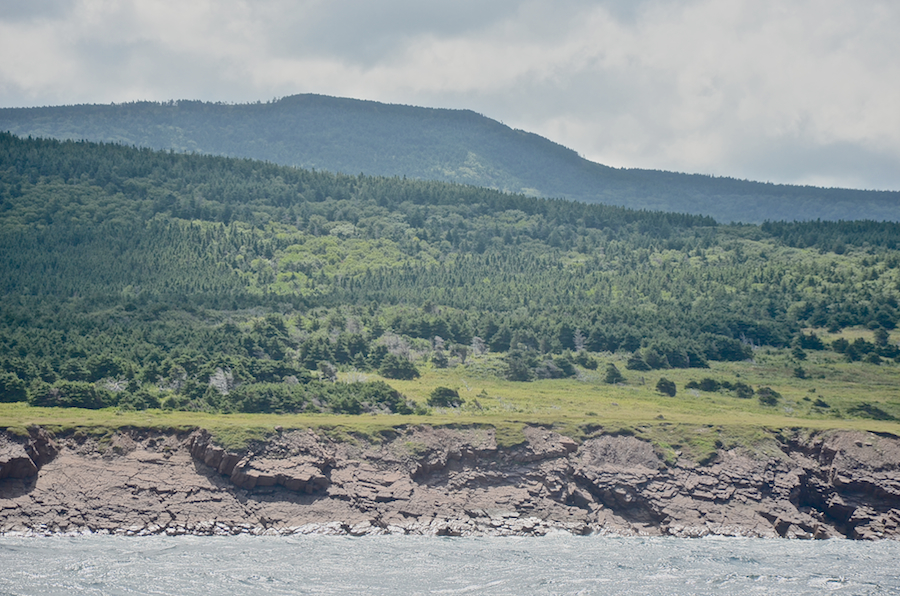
[787,91]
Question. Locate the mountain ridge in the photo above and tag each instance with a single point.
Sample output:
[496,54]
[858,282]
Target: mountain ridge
[355,136]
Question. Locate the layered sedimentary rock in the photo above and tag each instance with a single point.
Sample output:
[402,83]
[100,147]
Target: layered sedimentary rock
[446,481]
[22,455]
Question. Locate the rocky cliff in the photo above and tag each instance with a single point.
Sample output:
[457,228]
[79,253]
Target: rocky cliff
[448,482]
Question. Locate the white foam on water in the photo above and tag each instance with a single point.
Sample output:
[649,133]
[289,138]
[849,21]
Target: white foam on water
[559,564]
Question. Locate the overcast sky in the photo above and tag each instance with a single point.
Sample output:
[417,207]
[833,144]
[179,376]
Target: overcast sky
[804,91]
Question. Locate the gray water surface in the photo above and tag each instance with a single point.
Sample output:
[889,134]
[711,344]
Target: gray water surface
[558,564]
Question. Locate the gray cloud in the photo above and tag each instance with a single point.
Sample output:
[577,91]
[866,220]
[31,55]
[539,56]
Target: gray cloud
[367,32]
[804,91]
[17,11]
[832,164]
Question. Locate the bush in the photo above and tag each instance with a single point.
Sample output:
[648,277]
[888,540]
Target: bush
[141,399]
[889,351]
[867,410]
[655,360]
[12,388]
[327,371]
[444,397]
[840,345]
[710,385]
[376,356]
[71,394]
[718,347]
[439,359]
[517,370]
[586,360]
[105,366]
[873,359]
[742,390]
[519,364]
[665,386]
[397,367]
[268,397]
[374,396]
[768,396]
[810,342]
[613,375]
[636,362]
[315,396]
[559,367]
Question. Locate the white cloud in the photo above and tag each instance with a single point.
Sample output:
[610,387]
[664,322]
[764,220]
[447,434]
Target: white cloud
[798,91]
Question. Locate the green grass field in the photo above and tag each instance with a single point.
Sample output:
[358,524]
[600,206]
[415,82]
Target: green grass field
[693,423]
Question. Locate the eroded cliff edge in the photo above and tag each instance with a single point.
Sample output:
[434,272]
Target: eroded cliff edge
[425,480]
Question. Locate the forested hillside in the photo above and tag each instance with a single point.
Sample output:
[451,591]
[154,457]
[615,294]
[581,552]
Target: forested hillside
[352,137]
[144,278]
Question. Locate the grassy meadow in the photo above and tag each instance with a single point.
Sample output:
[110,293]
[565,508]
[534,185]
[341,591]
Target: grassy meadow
[692,424]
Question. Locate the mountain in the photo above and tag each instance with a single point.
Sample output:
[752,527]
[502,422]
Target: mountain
[353,136]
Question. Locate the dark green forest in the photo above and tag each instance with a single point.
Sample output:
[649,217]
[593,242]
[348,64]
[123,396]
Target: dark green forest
[142,278]
[353,136]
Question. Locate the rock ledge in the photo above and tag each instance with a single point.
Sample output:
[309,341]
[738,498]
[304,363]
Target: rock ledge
[446,482]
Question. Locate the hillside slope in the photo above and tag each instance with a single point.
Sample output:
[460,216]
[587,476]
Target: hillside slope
[352,136]
[141,278]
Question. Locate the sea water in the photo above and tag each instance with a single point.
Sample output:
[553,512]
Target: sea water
[557,564]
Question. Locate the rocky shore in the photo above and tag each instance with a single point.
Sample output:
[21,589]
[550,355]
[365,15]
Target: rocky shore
[449,482]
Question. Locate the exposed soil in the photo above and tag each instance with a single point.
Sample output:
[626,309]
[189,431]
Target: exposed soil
[425,480]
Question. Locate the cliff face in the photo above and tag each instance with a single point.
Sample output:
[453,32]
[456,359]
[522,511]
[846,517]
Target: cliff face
[448,482]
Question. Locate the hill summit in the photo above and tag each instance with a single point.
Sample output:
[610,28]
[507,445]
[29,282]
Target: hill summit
[354,136]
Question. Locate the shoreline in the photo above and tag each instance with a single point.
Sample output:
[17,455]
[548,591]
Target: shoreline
[448,529]
[445,482]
